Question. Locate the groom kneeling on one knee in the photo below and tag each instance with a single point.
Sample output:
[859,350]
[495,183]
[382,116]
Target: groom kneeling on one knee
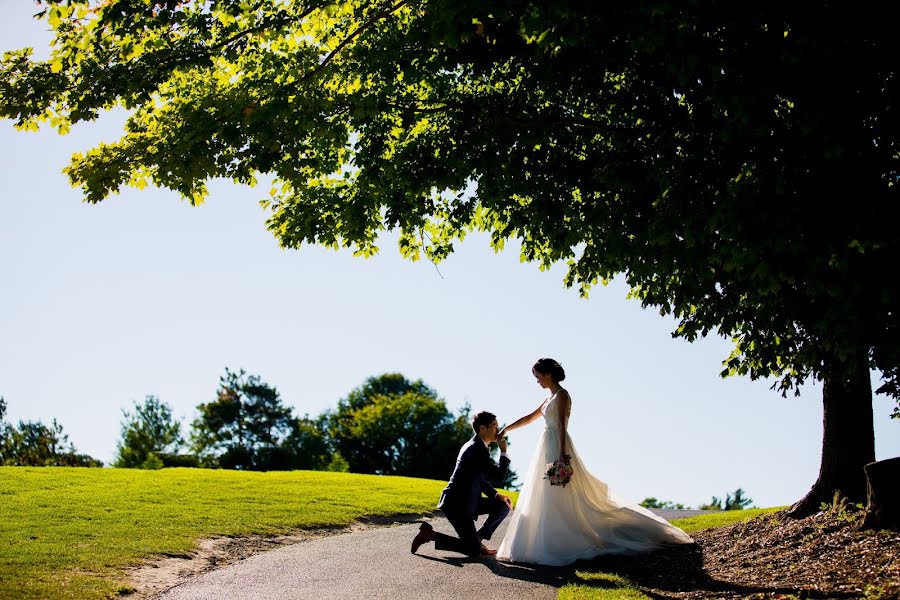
[462,502]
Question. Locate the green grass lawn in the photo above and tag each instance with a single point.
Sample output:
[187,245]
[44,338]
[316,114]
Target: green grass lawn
[719,519]
[608,586]
[70,532]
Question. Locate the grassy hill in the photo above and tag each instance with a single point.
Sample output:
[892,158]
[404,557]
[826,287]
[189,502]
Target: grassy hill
[71,532]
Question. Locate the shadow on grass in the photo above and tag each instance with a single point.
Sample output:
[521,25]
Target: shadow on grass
[666,573]
[671,571]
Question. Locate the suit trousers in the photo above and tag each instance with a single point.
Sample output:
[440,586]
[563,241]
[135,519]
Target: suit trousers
[469,540]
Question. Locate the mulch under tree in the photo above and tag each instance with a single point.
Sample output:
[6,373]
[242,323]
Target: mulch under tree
[773,556]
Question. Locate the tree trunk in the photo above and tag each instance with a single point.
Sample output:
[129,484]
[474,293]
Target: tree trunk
[883,509]
[848,441]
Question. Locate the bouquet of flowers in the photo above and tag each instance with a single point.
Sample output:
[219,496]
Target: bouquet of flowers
[560,472]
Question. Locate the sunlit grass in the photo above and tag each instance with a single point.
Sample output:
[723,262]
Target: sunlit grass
[600,586]
[70,532]
[720,519]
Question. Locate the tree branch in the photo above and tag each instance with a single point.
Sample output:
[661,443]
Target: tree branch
[420,109]
[276,23]
[384,13]
[266,25]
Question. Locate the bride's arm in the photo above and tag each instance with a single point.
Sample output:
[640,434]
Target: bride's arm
[523,421]
[563,404]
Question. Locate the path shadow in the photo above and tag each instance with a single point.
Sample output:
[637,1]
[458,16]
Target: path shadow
[553,576]
[454,561]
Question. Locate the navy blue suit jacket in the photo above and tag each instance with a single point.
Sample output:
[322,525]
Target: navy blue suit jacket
[474,467]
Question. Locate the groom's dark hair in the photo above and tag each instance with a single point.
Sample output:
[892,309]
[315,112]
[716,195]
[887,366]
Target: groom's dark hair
[482,419]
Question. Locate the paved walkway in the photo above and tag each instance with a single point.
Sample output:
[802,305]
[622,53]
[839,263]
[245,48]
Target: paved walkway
[374,564]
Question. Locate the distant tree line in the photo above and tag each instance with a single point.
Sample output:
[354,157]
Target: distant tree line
[389,425]
[733,501]
[736,501]
[35,444]
[654,503]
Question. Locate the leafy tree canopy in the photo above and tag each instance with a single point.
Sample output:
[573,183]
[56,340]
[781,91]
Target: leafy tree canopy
[388,384]
[342,422]
[150,430]
[308,447]
[406,434]
[393,426]
[738,163]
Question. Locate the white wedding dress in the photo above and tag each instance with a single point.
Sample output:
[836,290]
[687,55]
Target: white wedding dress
[556,525]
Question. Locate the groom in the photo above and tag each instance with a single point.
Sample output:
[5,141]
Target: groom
[462,501]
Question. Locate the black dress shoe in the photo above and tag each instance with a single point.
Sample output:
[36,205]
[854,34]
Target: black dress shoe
[426,534]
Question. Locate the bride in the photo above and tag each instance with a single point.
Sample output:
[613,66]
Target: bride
[559,524]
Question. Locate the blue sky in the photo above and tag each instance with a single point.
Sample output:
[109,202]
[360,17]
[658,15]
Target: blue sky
[144,294]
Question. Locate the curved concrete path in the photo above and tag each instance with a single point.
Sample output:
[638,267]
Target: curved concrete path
[374,564]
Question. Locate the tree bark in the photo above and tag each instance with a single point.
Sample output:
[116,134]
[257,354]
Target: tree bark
[883,509]
[848,440]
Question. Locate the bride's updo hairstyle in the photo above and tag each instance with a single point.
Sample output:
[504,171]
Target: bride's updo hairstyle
[548,366]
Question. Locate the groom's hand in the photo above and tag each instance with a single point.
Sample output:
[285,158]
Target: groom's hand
[501,442]
[505,500]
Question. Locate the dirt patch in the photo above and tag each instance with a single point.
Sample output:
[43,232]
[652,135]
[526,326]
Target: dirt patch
[152,578]
[822,556]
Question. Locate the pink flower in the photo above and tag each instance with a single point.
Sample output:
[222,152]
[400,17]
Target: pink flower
[559,472]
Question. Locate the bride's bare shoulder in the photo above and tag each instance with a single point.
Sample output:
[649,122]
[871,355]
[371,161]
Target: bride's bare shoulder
[563,397]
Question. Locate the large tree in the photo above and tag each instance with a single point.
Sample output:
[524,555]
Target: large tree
[738,163]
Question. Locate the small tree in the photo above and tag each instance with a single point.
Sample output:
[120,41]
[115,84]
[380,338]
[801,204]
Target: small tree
[149,430]
[244,427]
[736,501]
[337,464]
[5,433]
[714,504]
